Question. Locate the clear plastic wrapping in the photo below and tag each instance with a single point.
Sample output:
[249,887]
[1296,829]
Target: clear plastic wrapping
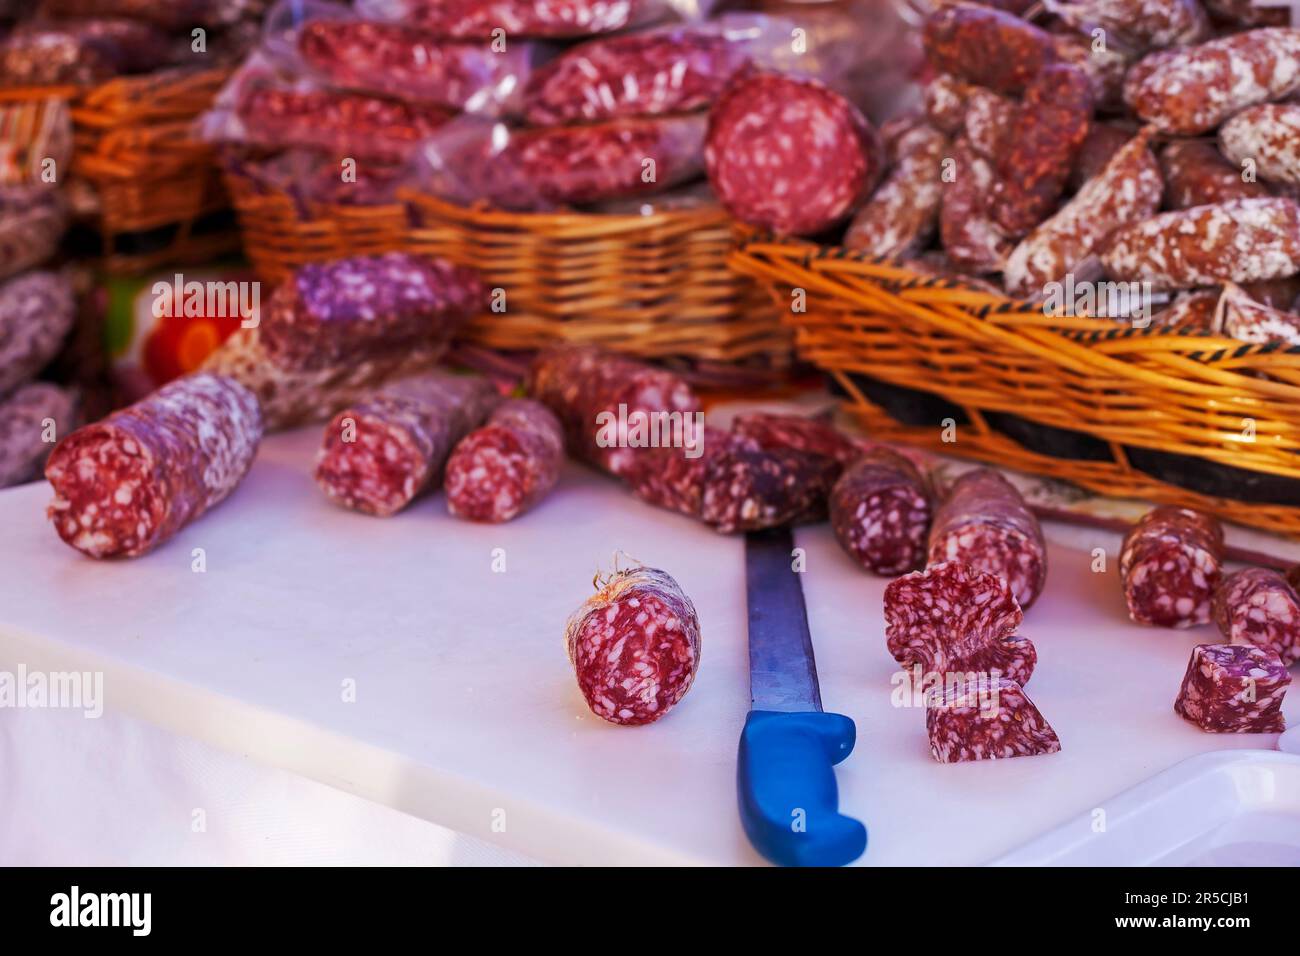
[551,19]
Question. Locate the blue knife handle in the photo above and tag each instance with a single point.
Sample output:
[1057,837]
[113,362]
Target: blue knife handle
[789,803]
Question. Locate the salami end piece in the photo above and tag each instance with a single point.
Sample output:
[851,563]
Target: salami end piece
[126,484]
[1234,689]
[880,510]
[986,720]
[1259,606]
[1171,563]
[635,646]
[504,468]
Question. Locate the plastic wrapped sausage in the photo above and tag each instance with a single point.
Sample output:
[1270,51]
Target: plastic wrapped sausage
[502,469]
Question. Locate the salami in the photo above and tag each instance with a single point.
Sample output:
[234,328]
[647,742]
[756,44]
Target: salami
[366,306]
[1241,316]
[1259,606]
[1190,312]
[1248,13]
[553,19]
[1126,191]
[748,487]
[499,471]
[1142,24]
[789,155]
[813,437]
[901,215]
[880,510]
[971,237]
[1244,240]
[985,46]
[125,485]
[1171,563]
[1268,136]
[986,720]
[378,455]
[634,646]
[674,478]
[1107,67]
[1196,174]
[36,314]
[31,420]
[953,619]
[167,14]
[612,407]
[81,52]
[1234,689]
[1103,141]
[32,221]
[1193,89]
[984,522]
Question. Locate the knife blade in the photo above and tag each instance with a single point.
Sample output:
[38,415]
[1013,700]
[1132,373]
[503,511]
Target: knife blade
[789,801]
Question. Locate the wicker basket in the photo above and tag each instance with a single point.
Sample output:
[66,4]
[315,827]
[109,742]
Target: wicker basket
[1178,417]
[657,285]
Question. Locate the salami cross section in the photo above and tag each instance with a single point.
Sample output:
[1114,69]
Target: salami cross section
[378,455]
[1170,563]
[880,510]
[951,618]
[634,646]
[128,483]
[504,468]
[1234,689]
[1259,606]
[985,523]
[986,720]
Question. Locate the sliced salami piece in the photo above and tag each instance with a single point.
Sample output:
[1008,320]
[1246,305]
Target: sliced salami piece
[1170,563]
[504,468]
[1234,689]
[817,450]
[984,522]
[31,421]
[36,313]
[378,455]
[674,478]
[126,484]
[748,487]
[1259,606]
[634,646]
[612,407]
[880,510]
[986,720]
[951,618]
[353,309]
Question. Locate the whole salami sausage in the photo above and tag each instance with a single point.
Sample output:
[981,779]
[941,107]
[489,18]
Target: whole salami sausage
[900,217]
[986,720]
[1249,13]
[880,510]
[32,221]
[1259,606]
[1240,316]
[31,420]
[789,155]
[971,237]
[674,478]
[1171,563]
[634,646]
[1107,67]
[984,522]
[37,310]
[1141,24]
[1104,140]
[608,404]
[951,618]
[1234,689]
[126,484]
[1267,135]
[377,456]
[1196,174]
[986,47]
[499,471]
[358,308]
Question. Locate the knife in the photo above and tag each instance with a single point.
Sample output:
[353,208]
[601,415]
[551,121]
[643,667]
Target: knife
[789,803]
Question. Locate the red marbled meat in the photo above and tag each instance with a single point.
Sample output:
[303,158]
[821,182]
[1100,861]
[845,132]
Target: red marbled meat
[499,471]
[1170,564]
[880,510]
[1234,689]
[986,720]
[1259,606]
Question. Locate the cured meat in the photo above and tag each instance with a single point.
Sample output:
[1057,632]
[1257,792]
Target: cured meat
[880,510]
[366,306]
[125,485]
[986,720]
[984,522]
[36,313]
[1244,240]
[1125,192]
[1193,89]
[1196,174]
[1242,317]
[611,406]
[827,449]
[789,155]
[1190,312]
[634,646]
[1259,606]
[901,215]
[972,239]
[31,420]
[167,14]
[986,47]
[80,52]
[1171,563]
[504,468]
[1268,136]
[1234,689]
[674,478]
[32,221]
[1103,141]
[953,619]
[1249,13]
[1141,24]
[378,455]
[555,19]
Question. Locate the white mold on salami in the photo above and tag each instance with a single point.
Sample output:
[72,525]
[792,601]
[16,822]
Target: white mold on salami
[1234,689]
[1240,316]
[1259,606]
[901,215]
[1268,136]
[986,720]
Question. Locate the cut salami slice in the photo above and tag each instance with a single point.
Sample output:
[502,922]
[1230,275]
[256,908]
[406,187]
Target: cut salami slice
[985,523]
[128,483]
[354,309]
[31,420]
[503,469]
[986,720]
[952,619]
[1171,563]
[788,154]
[1259,606]
[880,510]
[1234,689]
[36,313]
[378,455]
[634,646]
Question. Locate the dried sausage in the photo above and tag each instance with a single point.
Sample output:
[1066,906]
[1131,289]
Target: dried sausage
[1259,606]
[986,720]
[37,310]
[900,217]
[1196,174]
[1142,24]
[986,47]
[31,420]
[880,511]
[1233,689]
[504,468]
[1170,564]
[1268,136]
[971,237]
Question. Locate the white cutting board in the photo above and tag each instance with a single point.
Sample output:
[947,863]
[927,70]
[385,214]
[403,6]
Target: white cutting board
[466,712]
